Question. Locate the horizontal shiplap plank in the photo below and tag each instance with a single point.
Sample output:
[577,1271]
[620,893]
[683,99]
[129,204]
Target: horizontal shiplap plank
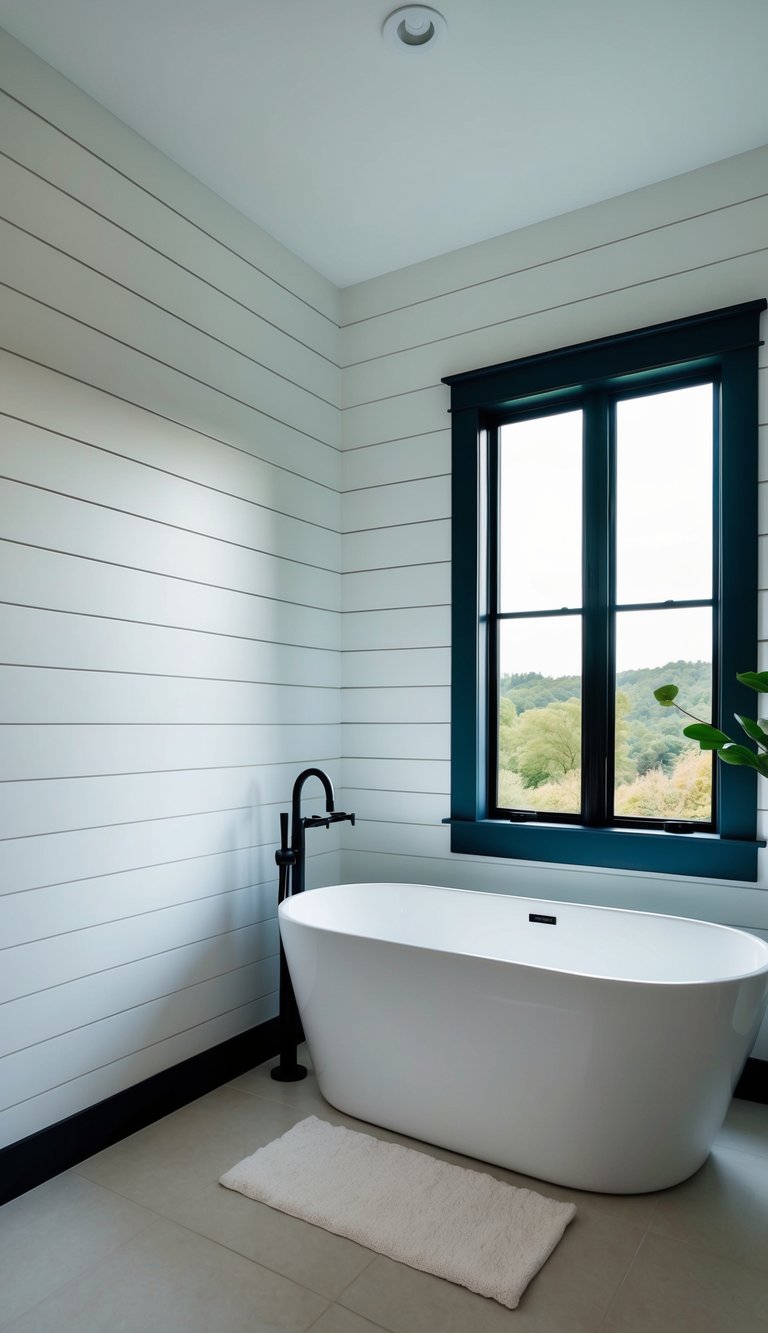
[705,190]
[395,807]
[48,1013]
[116,1074]
[87,298]
[62,955]
[64,751]
[147,911]
[409,627]
[397,417]
[46,459]
[54,805]
[396,705]
[58,858]
[45,694]
[33,516]
[385,384]
[406,502]
[108,168]
[690,244]
[247,464]
[408,585]
[396,740]
[411,666]
[78,642]
[404,838]
[398,460]
[29,1072]
[41,334]
[410,775]
[57,581]
[390,546]
[56,218]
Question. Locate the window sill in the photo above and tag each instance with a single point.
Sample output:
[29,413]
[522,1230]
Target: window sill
[705,855]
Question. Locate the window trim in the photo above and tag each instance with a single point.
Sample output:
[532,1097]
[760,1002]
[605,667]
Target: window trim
[725,343]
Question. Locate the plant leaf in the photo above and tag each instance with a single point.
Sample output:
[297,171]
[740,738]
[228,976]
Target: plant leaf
[739,754]
[756,680]
[753,729]
[709,738]
[666,695]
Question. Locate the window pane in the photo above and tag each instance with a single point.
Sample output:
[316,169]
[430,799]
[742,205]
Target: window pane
[540,715]
[664,496]
[660,774]
[540,513]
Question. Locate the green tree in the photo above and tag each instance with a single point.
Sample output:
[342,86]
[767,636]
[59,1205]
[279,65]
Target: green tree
[546,742]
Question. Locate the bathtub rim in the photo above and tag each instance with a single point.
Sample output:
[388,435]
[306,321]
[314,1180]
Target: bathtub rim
[284,910]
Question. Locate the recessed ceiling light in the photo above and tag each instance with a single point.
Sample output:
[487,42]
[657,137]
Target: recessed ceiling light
[414,28]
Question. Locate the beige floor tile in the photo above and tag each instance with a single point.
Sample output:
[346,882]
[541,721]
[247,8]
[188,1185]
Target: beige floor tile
[168,1162]
[723,1208]
[339,1320]
[570,1294]
[171,1281]
[56,1231]
[745,1128]
[307,1254]
[676,1288]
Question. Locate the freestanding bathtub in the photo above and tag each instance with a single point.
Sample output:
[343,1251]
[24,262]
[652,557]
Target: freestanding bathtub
[593,1047]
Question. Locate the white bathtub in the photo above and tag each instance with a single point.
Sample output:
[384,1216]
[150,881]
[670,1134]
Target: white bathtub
[597,1048]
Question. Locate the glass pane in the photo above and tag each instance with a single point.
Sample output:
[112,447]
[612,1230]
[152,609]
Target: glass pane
[660,774]
[540,513]
[540,715]
[664,496]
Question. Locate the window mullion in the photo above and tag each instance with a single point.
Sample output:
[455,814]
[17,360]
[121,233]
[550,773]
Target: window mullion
[598,629]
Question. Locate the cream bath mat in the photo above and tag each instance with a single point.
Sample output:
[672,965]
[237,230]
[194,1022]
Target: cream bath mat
[458,1224]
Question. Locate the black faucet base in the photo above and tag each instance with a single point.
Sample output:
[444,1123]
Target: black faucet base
[288,1073]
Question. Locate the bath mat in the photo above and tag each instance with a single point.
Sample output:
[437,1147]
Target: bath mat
[458,1224]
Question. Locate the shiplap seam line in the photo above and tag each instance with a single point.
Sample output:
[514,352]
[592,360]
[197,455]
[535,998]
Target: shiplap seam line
[162,254]
[188,323]
[171,209]
[171,1036]
[427,648]
[159,416]
[152,865]
[558,259]
[201,768]
[376,610]
[140,1004]
[165,675]
[403,481]
[386,527]
[161,624]
[164,523]
[533,314]
[381,444]
[383,569]
[168,365]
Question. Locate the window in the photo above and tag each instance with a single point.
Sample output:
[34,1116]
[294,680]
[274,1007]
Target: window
[604,543]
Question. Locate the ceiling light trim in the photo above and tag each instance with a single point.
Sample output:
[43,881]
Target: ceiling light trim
[414,28]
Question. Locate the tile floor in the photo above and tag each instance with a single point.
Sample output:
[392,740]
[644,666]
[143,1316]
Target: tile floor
[141,1237]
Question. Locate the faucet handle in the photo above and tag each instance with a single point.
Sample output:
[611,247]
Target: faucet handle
[339,815]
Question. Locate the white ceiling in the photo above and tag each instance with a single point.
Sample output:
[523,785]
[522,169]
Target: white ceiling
[362,159]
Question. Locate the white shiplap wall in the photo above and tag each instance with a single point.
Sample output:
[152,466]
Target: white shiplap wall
[694,243]
[169,600]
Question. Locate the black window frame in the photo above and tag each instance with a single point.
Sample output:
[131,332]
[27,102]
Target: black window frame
[718,346]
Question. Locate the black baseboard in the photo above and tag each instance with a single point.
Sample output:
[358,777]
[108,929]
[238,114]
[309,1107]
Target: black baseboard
[753,1084]
[31,1161]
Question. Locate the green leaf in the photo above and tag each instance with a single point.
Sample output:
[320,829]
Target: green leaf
[753,729]
[709,738]
[756,680]
[739,754]
[666,695]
